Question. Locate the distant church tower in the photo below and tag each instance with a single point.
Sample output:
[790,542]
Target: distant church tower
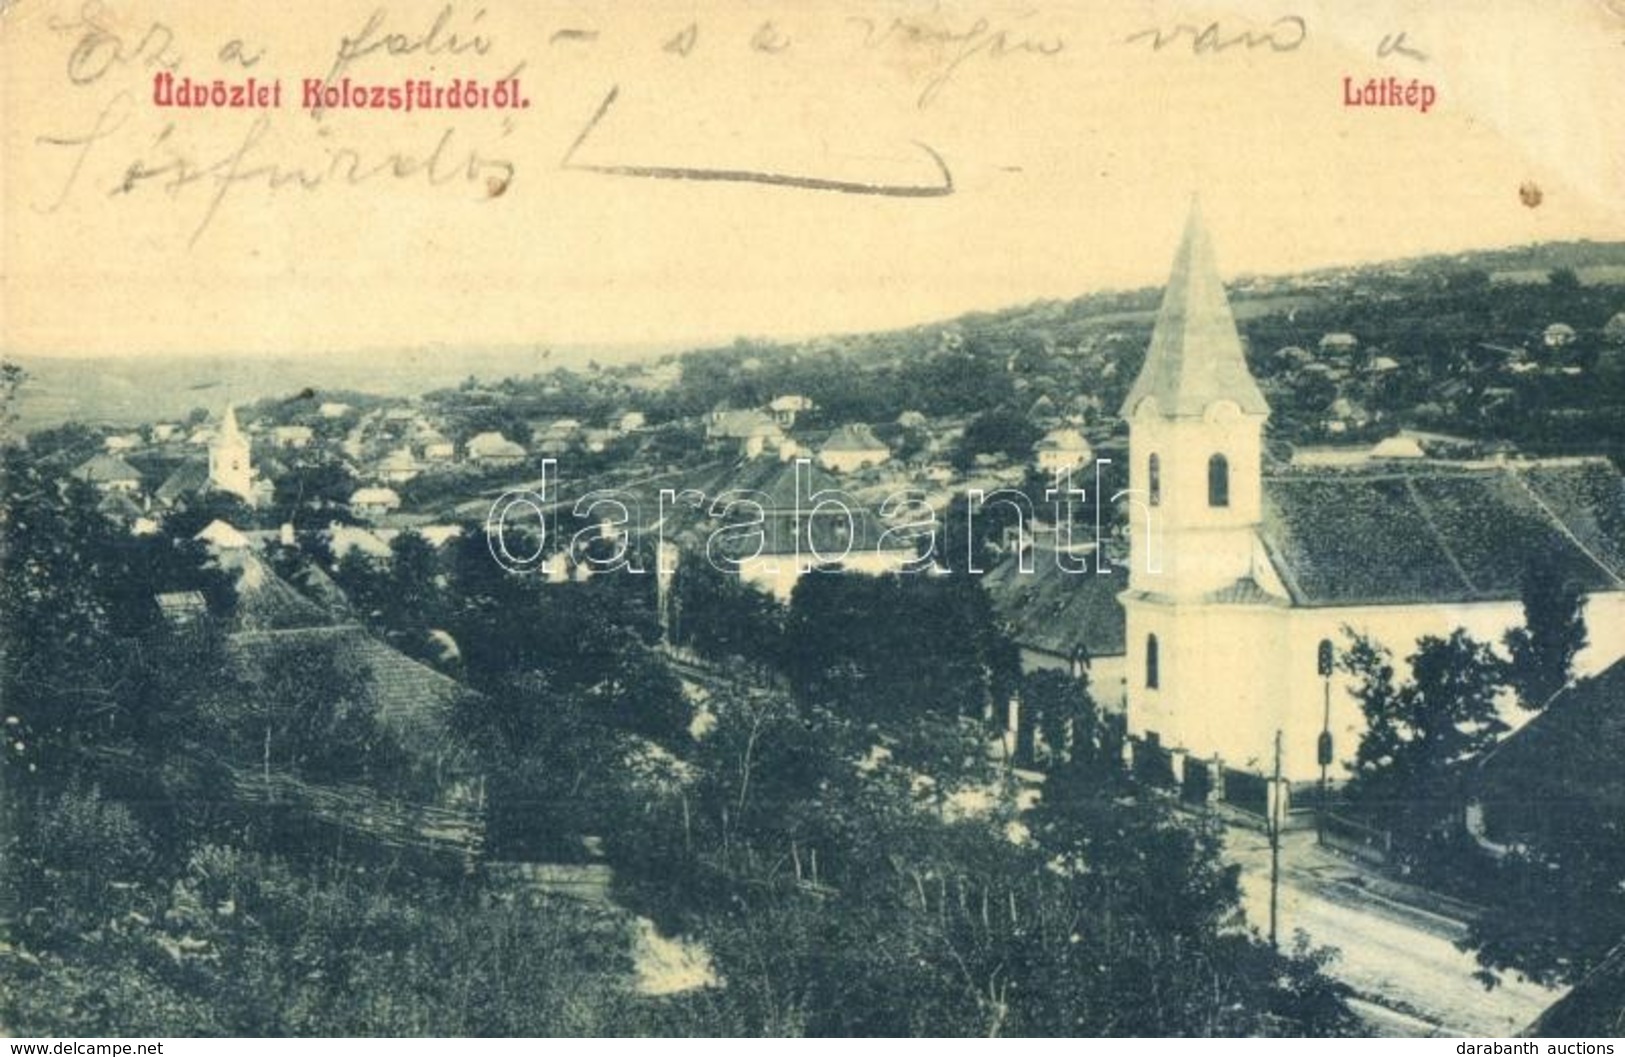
[1196,425]
[231,468]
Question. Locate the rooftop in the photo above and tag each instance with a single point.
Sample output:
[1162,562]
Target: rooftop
[1434,532]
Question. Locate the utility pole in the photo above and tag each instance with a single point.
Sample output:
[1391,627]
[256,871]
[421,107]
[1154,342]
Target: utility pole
[1323,749]
[1275,841]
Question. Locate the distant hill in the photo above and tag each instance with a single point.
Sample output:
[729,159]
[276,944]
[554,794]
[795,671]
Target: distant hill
[130,390]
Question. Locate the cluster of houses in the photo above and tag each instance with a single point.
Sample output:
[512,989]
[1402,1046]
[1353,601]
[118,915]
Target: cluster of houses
[1415,534]
[1484,380]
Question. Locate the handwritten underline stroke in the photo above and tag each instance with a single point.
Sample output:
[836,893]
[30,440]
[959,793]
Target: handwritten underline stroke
[754,176]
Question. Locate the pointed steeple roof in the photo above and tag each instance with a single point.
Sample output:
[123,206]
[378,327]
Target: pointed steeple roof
[1195,359]
[229,433]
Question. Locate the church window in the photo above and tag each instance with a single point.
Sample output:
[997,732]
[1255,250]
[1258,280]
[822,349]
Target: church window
[1152,662]
[1154,476]
[1218,481]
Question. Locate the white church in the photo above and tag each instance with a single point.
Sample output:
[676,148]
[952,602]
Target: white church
[1240,572]
[231,465]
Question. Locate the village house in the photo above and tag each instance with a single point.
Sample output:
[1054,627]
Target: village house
[119,443]
[1558,336]
[727,424]
[1061,449]
[852,448]
[784,409]
[493,449]
[292,437]
[1556,780]
[1338,345]
[374,502]
[796,534]
[1064,620]
[109,473]
[435,447]
[398,467]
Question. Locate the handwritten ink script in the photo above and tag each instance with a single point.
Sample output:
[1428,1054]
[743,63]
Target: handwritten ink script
[204,120]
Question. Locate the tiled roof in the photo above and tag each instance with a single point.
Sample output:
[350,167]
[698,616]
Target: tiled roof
[265,601]
[740,424]
[493,445]
[1563,765]
[1595,1008]
[101,469]
[1243,592]
[119,507]
[854,438]
[189,477]
[1438,533]
[1057,611]
[413,700]
[828,534]
[775,481]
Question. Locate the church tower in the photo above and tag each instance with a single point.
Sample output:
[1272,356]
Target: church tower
[1196,427]
[1193,605]
[231,468]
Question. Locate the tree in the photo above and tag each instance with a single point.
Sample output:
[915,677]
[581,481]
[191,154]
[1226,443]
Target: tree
[997,432]
[76,599]
[309,711]
[1563,281]
[1059,708]
[1553,632]
[722,616]
[12,380]
[888,647]
[973,537]
[1555,910]
[314,492]
[1420,734]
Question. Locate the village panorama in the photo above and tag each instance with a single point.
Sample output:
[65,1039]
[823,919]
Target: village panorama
[1243,656]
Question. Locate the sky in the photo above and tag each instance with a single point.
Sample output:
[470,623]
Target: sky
[1072,142]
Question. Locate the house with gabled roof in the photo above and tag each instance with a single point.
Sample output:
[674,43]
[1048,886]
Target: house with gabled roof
[786,517]
[1064,619]
[1556,780]
[493,449]
[109,473]
[1061,449]
[852,447]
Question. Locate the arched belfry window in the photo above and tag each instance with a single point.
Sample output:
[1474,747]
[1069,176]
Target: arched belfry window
[1152,662]
[1154,479]
[1218,481]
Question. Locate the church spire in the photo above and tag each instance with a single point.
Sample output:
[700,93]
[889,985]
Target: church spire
[231,467]
[229,433]
[1195,359]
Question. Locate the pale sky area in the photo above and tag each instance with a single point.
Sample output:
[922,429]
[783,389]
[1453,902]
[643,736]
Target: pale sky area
[1070,171]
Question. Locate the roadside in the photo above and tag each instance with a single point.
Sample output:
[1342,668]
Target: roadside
[1397,943]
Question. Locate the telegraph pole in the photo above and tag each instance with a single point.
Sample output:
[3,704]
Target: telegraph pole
[1275,841]
[1324,747]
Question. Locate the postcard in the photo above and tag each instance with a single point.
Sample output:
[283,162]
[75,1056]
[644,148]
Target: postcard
[736,518]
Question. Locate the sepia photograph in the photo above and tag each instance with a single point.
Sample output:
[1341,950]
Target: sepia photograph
[812,518]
